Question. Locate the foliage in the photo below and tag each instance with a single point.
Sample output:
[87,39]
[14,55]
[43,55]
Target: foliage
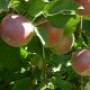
[35,67]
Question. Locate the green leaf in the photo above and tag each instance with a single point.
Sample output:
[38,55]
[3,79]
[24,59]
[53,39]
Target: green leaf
[14,3]
[10,76]
[55,6]
[22,84]
[43,35]
[21,6]
[86,25]
[36,60]
[36,7]
[63,84]
[23,52]
[87,86]
[9,56]
[50,86]
[4,4]
[71,25]
[60,59]
[35,46]
[41,86]
[32,7]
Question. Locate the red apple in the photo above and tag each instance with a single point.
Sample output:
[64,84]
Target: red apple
[84,3]
[16,30]
[86,6]
[65,44]
[54,34]
[81,62]
[84,12]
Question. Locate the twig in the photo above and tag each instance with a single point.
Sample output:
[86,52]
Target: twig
[42,21]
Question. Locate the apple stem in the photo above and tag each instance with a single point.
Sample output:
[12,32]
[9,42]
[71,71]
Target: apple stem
[45,67]
[43,51]
[42,21]
[81,23]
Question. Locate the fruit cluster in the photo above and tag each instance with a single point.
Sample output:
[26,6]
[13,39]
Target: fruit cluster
[58,41]
[81,59]
[17,31]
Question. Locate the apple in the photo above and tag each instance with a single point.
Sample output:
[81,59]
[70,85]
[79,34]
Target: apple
[16,30]
[54,34]
[86,6]
[83,12]
[65,44]
[81,62]
[84,3]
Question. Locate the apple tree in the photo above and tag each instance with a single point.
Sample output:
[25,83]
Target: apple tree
[44,44]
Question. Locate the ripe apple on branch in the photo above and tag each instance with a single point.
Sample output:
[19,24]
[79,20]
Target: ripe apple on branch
[16,30]
[86,5]
[81,62]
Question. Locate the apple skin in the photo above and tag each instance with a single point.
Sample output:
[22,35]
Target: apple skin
[83,12]
[81,62]
[84,3]
[54,34]
[86,6]
[16,30]
[65,44]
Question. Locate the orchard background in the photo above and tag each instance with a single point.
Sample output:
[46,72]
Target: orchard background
[38,65]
